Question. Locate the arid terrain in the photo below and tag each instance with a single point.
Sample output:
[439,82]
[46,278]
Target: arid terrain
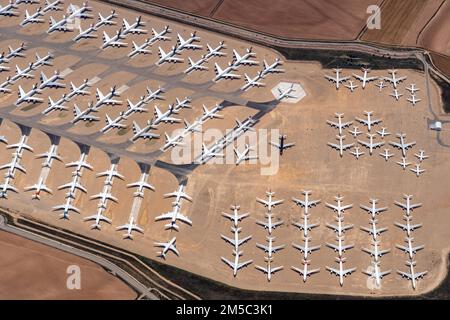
[309,165]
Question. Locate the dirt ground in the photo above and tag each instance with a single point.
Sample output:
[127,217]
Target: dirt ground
[325,20]
[34,271]
[310,164]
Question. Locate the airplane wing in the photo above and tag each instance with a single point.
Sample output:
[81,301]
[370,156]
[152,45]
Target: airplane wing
[333,270]
[348,271]
[164,216]
[243,264]
[184,219]
[229,263]
[241,241]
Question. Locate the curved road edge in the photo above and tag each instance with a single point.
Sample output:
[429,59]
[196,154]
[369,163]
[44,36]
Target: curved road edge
[141,289]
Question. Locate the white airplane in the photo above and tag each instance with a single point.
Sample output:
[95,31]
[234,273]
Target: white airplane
[40,186]
[106,99]
[106,21]
[339,124]
[306,203]
[340,228]
[80,164]
[417,170]
[286,93]
[14,53]
[135,107]
[160,35]
[29,96]
[98,217]
[364,78]
[306,249]
[113,41]
[270,203]
[5,187]
[341,147]
[269,225]
[110,174]
[341,272]
[402,145]
[210,152]
[376,253]
[408,227]
[235,216]
[14,164]
[373,210]
[412,89]
[61,25]
[154,95]
[269,270]
[188,43]
[58,105]
[370,144]
[215,52]
[393,79]
[172,141]
[196,65]
[421,155]
[169,56]
[85,34]
[270,249]
[226,73]
[373,230]
[3,68]
[164,117]
[144,131]
[130,227]
[113,123]
[44,61]
[78,90]
[173,216]
[408,206]
[236,265]
[80,12]
[178,194]
[51,82]
[3,139]
[369,122]
[213,113]
[380,85]
[134,27]
[253,82]
[351,86]
[49,156]
[383,132]
[403,163]
[23,73]
[138,49]
[355,132]
[236,242]
[272,68]
[33,18]
[305,226]
[51,6]
[386,155]
[192,127]
[83,115]
[244,59]
[337,79]
[413,99]
[376,273]
[412,275]
[141,185]
[409,249]
[244,155]
[72,186]
[357,153]
[339,208]
[104,196]
[66,208]
[8,10]
[166,247]
[20,146]
[305,272]
[395,94]
[245,125]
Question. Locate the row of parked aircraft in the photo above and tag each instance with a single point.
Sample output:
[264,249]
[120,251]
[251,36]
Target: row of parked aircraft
[365,78]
